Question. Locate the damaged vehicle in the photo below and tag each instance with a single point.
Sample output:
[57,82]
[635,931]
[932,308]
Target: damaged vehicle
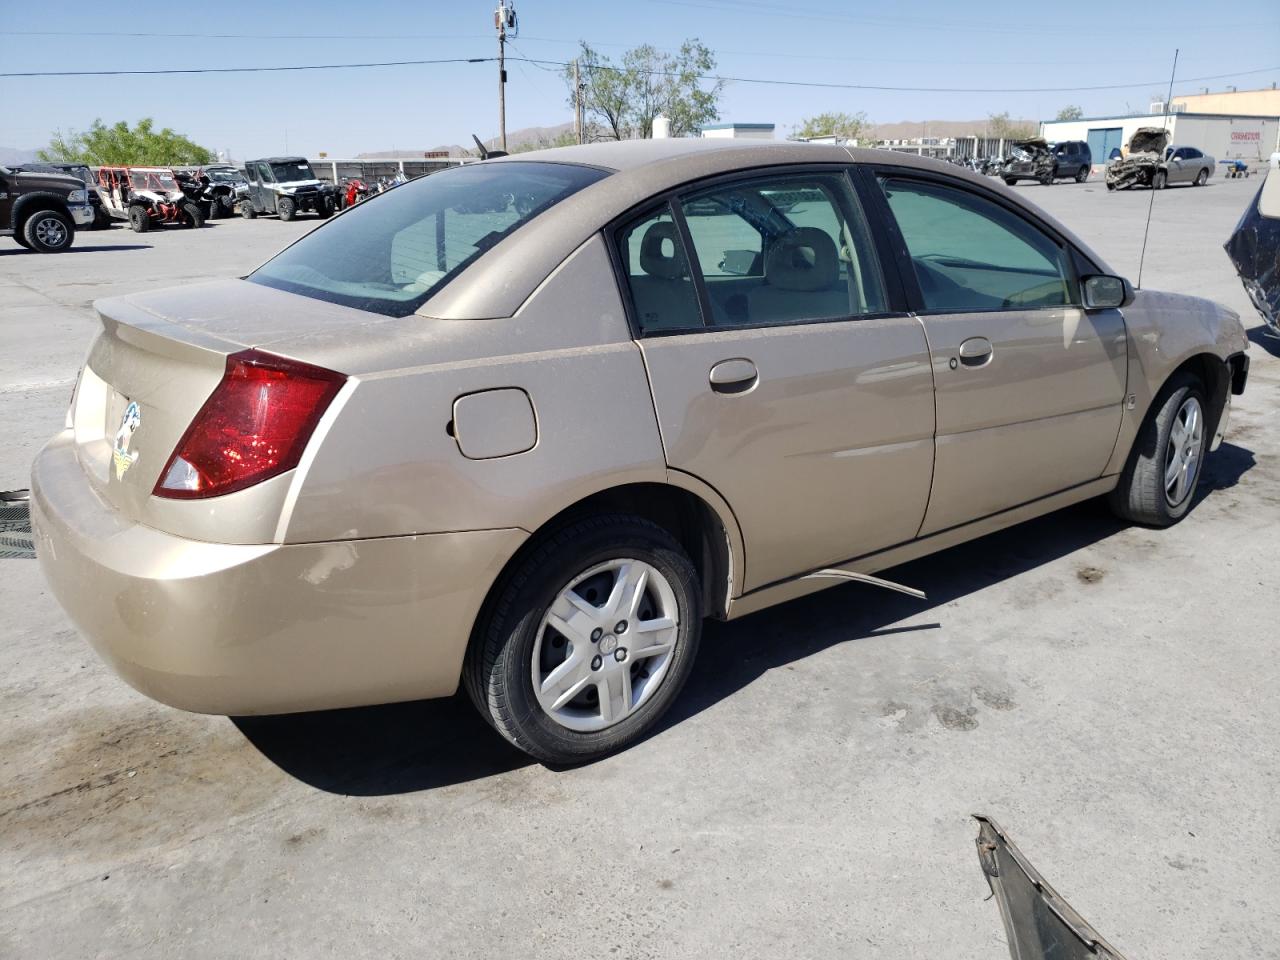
[1150,161]
[521,425]
[1254,249]
[1037,159]
[1038,923]
[222,185]
[286,186]
[149,196]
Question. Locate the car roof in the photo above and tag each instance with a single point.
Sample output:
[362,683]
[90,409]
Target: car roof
[501,279]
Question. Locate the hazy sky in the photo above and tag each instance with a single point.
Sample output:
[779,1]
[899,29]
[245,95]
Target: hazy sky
[913,44]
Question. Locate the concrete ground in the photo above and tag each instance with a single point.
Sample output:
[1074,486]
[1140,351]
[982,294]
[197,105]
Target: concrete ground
[1109,694]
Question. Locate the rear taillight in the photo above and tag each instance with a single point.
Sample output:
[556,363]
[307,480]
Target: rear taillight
[254,426]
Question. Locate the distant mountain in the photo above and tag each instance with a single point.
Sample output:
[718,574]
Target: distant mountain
[13,155]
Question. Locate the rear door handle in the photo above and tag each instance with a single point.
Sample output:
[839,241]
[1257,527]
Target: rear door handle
[733,376]
[976,351]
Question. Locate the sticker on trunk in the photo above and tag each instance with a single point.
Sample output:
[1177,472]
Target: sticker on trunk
[121,455]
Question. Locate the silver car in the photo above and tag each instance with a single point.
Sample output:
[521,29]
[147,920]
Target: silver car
[525,423]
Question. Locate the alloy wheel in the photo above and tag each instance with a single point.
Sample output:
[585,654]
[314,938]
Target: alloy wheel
[605,644]
[51,232]
[1183,455]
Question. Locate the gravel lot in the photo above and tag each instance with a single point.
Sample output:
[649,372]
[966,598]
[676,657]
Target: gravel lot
[1110,695]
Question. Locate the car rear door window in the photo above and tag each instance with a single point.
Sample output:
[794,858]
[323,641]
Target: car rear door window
[972,254]
[783,250]
[659,281]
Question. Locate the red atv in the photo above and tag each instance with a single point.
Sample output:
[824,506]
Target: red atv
[145,196]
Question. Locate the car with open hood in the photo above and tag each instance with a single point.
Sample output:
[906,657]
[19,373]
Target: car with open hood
[1149,161]
[523,424]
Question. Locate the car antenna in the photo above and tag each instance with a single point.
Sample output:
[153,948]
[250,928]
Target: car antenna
[485,152]
[1152,202]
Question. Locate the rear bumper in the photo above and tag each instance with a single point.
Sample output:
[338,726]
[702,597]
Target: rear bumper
[254,629]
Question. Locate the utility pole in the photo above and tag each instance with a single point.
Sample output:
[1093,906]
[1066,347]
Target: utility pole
[577,102]
[504,19]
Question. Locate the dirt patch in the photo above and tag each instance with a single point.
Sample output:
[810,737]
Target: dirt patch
[956,718]
[1090,574]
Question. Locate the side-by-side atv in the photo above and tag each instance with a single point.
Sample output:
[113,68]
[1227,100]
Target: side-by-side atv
[285,186]
[150,196]
[221,186]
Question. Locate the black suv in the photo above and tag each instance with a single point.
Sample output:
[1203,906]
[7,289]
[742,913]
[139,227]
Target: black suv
[1036,159]
[286,186]
[41,211]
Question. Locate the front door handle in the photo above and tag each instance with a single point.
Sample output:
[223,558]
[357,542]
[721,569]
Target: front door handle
[976,351]
[733,376]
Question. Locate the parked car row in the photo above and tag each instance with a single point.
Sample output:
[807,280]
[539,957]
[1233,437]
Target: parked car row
[71,196]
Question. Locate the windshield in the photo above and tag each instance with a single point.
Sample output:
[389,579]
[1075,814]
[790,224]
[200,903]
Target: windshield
[292,170]
[389,254]
[152,180]
[223,176]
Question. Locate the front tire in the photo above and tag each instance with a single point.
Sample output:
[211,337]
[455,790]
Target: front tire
[1159,481]
[586,644]
[286,209]
[192,215]
[1083,173]
[48,231]
[1010,181]
[1201,178]
[1159,180]
[139,219]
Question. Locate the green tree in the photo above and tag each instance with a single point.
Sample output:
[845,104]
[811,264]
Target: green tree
[999,125]
[120,144]
[620,100]
[1070,112]
[850,126]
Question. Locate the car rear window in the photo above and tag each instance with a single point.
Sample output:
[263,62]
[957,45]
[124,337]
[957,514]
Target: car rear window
[389,254]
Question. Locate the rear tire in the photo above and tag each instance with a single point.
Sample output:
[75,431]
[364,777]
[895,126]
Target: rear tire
[192,215]
[1083,173]
[246,209]
[324,209]
[1160,478]
[1010,181]
[139,219]
[48,231]
[611,698]
[286,209]
[1201,178]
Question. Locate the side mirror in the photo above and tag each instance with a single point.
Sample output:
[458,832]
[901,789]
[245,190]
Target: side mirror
[1101,292]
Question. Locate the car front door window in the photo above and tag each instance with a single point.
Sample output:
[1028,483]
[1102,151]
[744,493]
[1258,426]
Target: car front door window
[971,254]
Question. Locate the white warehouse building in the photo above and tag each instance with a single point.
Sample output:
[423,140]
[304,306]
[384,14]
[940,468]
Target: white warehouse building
[1224,137]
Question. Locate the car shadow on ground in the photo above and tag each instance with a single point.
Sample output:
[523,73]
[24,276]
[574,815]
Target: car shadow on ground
[408,747]
[1265,339]
[14,251]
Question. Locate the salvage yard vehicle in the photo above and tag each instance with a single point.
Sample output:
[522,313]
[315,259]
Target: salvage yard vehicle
[81,171]
[524,423]
[148,196]
[1036,159]
[286,186]
[1254,249]
[1151,162]
[225,187]
[42,210]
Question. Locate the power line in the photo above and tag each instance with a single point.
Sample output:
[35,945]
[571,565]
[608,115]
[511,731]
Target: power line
[311,66]
[766,81]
